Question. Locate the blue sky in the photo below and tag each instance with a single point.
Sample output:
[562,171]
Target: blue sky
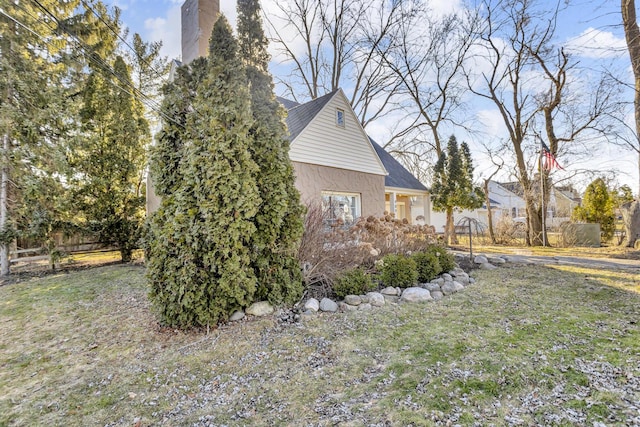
[592,29]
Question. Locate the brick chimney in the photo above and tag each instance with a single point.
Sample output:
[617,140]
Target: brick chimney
[198,17]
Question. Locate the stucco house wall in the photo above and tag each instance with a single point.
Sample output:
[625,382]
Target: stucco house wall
[312,180]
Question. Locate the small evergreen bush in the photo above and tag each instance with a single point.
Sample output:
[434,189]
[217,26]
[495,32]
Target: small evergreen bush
[428,265]
[447,261]
[399,270]
[353,282]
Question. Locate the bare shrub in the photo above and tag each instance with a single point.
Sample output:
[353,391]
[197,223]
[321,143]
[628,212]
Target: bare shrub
[327,251]
[507,231]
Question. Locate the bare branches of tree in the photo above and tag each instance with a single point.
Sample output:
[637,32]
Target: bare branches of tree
[535,85]
[329,44]
[632,35]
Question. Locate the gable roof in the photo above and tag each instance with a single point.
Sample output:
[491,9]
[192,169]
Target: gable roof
[300,115]
[399,176]
[287,103]
[514,187]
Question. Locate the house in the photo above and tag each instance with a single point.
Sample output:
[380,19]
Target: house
[336,163]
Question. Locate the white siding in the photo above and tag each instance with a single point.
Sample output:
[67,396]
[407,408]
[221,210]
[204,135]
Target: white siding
[325,143]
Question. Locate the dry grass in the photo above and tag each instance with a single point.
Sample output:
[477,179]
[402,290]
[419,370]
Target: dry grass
[526,345]
[619,252]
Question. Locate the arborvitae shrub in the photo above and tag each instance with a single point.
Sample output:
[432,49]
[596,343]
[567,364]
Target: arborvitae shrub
[353,282]
[447,261]
[398,270]
[428,265]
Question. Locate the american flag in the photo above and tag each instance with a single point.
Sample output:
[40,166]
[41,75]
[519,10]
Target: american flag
[550,161]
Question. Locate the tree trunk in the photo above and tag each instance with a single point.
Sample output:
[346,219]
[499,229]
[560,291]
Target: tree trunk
[4,180]
[450,234]
[632,35]
[489,213]
[631,220]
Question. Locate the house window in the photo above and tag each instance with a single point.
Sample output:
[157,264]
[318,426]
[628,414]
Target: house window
[340,208]
[514,212]
[340,117]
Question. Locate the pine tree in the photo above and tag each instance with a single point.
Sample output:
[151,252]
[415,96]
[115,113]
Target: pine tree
[199,264]
[109,159]
[34,116]
[453,184]
[279,222]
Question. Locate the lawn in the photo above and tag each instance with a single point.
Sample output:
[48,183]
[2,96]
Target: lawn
[526,345]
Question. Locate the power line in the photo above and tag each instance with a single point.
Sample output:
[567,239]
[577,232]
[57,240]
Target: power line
[96,59]
[117,34]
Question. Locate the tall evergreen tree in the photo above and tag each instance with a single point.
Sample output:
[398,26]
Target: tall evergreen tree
[453,184]
[199,264]
[177,104]
[279,222]
[109,157]
[33,117]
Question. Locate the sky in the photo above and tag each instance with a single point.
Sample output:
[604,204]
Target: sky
[592,31]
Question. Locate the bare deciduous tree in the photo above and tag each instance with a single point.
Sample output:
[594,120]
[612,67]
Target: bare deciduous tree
[428,59]
[336,43]
[632,35]
[529,80]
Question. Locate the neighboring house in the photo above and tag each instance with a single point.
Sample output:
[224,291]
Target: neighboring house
[506,200]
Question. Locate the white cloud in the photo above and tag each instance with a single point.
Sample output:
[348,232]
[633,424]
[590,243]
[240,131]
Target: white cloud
[166,29]
[593,43]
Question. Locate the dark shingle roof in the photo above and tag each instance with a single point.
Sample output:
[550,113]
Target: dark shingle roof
[399,176]
[287,103]
[300,115]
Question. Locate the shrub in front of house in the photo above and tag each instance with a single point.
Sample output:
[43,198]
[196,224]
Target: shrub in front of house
[398,270]
[428,265]
[353,282]
[447,260]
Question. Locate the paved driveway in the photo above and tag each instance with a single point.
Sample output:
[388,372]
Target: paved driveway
[604,263]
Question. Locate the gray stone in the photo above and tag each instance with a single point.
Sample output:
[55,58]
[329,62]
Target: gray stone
[462,277]
[456,271]
[447,277]
[389,291]
[472,280]
[487,266]
[480,259]
[312,304]
[398,291]
[328,305]
[353,300]
[437,295]
[347,307]
[438,281]
[365,306]
[260,308]
[365,299]
[449,288]
[238,315]
[497,260]
[391,299]
[432,286]
[458,286]
[376,299]
[415,294]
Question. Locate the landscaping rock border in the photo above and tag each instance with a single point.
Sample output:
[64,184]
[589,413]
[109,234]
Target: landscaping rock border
[447,284]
